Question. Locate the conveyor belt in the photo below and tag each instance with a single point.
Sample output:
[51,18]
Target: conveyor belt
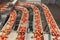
[48,13]
[54,23]
[10,20]
[24,4]
[46,30]
[15,26]
[14,33]
[23,24]
[54,30]
[37,25]
[30,34]
[8,26]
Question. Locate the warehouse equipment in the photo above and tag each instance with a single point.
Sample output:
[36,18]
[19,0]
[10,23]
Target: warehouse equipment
[39,14]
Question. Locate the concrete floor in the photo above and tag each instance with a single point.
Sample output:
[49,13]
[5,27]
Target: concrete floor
[55,10]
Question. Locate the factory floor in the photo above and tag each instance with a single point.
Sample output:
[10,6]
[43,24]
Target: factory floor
[55,10]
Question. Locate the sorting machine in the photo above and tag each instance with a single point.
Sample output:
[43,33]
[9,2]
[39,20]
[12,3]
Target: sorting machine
[35,17]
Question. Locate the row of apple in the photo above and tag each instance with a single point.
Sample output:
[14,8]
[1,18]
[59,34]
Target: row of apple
[8,26]
[38,35]
[22,27]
